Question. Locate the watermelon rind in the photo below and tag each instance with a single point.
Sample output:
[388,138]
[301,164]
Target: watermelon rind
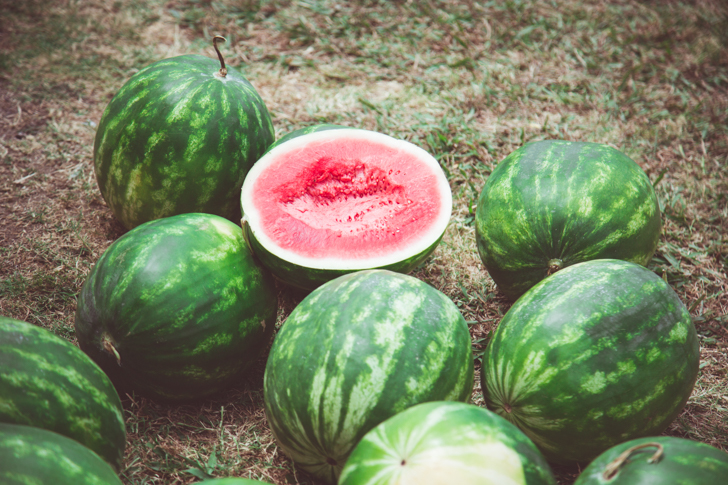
[554,203]
[310,272]
[599,353]
[30,455]
[658,459]
[442,443]
[49,383]
[178,137]
[305,131]
[309,278]
[178,308]
[353,353]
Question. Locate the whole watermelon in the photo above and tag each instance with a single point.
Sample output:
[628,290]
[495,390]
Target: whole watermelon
[356,351]
[177,308]
[30,455]
[599,353]
[179,137]
[442,443]
[658,459]
[47,382]
[554,203]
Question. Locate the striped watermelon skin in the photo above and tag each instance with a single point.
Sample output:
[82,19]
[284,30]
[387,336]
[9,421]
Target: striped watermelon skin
[31,455]
[353,353]
[47,382]
[554,203]
[682,462]
[184,305]
[446,442]
[179,138]
[599,353]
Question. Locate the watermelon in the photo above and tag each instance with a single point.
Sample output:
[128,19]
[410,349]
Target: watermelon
[599,353]
[30,456]
[442,443]
[179,137]
[177,308]
[49,383]
[354,352]
[328,202]
[660,459]
[554,203]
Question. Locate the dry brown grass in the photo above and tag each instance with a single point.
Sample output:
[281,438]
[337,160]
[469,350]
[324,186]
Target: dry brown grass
[468,82]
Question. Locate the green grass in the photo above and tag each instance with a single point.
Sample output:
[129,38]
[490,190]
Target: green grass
[468,81]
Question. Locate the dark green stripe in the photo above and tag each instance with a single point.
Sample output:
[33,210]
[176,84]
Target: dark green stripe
[190,308]
[572,201]
[141,137]
[342,335]
[599,352]
[681,461]
[34,455]
[48,383]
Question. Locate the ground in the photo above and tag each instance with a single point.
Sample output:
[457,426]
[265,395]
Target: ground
[468,81]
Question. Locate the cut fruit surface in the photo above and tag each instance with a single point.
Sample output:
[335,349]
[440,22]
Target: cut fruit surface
[344,200]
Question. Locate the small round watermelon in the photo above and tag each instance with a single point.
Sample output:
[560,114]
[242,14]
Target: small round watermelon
[599,353]
[356,351]
[554,203]
[177,308]
[658,459]
[48,383]
[442,443]
[330,201]
[30,456]
[179,137]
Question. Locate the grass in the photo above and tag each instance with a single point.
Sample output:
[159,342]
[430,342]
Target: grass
[468,81]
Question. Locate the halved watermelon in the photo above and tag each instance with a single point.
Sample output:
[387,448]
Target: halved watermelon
[333,201]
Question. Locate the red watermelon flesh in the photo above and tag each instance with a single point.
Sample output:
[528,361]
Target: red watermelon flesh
[346,199]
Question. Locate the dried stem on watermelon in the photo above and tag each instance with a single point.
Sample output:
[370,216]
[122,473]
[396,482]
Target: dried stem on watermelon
[109,347]
[223,69]
[554,266]
[611,470]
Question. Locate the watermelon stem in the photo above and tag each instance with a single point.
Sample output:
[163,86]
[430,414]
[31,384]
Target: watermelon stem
[108,346]
[612,469]
[223,69]
[554,265]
